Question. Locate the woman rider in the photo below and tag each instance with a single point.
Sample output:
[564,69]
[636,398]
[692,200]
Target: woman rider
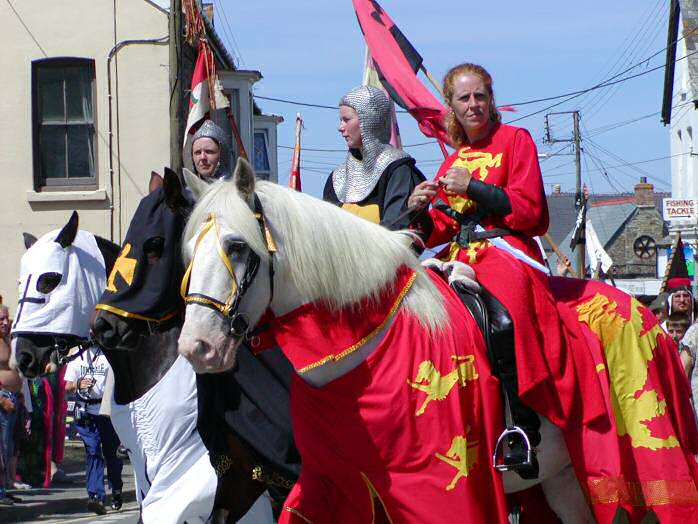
[494,178]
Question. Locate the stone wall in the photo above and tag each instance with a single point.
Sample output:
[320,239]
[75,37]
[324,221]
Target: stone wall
[645,221]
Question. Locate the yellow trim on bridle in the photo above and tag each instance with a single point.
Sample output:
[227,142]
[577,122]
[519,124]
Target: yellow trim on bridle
[223,307]
[128,314]
[238,323]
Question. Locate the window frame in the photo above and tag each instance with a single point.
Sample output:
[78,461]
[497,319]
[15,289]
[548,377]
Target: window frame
[260,173]
[41,182]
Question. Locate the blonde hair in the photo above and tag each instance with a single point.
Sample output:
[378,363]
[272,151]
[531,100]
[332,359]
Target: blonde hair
[453,127]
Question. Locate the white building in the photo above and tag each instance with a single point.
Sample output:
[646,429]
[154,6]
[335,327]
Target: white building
[684,116]
[85,105]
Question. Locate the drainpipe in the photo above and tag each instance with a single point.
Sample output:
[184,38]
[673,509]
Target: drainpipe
[149,41]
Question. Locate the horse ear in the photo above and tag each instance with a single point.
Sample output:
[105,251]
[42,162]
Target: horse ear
[244,178]
[172,186]
[29,240]
[155,182]
[194,183]
[67,235]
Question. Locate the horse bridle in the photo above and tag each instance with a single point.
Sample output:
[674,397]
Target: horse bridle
[238,323]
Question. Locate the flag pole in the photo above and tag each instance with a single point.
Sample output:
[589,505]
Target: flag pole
[294,181]
[236,131]
[560,255]
[437,86]
[433,80]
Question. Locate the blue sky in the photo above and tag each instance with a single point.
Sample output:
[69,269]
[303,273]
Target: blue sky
[312,51]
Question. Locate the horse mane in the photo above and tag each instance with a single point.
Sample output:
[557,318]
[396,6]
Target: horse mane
[110,251]
[332,256]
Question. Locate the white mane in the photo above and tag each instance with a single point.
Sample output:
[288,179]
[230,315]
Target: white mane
[331,255]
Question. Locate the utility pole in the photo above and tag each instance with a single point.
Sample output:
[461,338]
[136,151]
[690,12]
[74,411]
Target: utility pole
[580,196]
[581,247]
[176,86]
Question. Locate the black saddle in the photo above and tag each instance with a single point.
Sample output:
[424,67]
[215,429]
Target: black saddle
[498,329]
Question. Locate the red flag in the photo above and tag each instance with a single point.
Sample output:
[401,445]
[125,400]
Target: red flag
[397,62]
[206,91]
[294,181]
[371,79]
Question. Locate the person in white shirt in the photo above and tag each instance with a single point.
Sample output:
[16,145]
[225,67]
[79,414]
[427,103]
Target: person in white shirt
[86,377]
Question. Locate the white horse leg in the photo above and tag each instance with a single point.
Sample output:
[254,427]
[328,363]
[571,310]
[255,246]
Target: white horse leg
[565,497]
[557,478]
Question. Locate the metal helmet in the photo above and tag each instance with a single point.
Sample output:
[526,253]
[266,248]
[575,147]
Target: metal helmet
[355,178]
[209,129]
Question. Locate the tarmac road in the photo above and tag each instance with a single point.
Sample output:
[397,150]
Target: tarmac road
[127,515]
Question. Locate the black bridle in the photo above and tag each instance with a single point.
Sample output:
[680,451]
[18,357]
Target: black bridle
[238,323]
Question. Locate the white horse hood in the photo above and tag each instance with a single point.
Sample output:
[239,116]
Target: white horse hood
[66,309]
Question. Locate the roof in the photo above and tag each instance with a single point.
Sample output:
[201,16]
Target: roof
[223,56]
[561,208]
[607,221]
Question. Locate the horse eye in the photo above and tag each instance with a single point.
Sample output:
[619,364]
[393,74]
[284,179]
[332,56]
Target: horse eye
[234,246]
[154,246]
[48,282]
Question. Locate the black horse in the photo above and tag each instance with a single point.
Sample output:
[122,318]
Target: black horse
[244,422]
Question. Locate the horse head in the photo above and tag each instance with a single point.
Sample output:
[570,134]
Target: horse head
[254,246]
[141,296]
[221,290]
[61,276]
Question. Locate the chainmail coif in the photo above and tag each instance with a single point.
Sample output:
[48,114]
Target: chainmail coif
[210,129]
[355,178]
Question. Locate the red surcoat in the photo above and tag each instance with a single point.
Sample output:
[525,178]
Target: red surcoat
[411,429]
[547,378]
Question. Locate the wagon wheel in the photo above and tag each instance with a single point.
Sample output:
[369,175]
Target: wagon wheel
[644,246]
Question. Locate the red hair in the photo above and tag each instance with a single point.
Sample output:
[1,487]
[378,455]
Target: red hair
[455,130]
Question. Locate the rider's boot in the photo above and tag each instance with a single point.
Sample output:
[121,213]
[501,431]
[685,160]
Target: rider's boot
[502,347]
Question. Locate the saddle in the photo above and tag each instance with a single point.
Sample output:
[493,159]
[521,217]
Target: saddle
[522,431]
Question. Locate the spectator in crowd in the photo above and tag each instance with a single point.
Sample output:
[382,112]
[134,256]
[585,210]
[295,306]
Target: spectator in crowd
[86,377]
[10,386]
[659,307]
[689,343]
[676,325]
[680,299]
[34,464]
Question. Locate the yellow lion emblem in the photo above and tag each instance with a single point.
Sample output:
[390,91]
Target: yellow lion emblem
[437,387]
[462,455]
[628,354]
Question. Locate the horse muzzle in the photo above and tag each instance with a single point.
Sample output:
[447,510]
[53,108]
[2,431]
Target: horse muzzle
[206,357]
[114,333]
[33,355]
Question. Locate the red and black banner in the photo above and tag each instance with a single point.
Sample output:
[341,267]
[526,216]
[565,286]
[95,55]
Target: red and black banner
[397,62]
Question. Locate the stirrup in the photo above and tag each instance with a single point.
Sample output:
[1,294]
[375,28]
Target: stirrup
[503,440]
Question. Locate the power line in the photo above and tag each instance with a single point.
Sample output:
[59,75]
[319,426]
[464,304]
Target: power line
[601,98]
[661,182]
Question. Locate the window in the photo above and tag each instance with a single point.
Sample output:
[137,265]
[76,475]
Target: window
[261,154]
[64,123]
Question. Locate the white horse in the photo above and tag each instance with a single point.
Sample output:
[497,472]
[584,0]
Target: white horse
[302,254]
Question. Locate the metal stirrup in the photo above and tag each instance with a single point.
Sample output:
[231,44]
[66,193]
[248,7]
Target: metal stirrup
[511,430]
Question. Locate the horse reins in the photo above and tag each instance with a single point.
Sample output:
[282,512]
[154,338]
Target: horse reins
[238,323]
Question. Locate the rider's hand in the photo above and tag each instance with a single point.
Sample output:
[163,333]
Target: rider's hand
[422,195]
[456,180]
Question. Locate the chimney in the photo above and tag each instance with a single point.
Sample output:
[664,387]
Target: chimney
[557,189]
[644,194]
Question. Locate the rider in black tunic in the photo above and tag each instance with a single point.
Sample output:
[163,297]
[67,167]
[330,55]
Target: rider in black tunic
[376,179]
